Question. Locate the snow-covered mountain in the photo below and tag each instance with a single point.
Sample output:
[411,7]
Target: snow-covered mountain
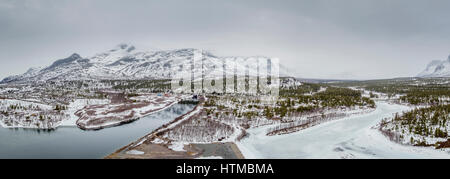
[125,62]
[437,68]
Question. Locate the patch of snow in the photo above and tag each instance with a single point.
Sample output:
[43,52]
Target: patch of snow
[352,137]
[79,104]
[158,141]
[177,146]
[135,152]
[210,157]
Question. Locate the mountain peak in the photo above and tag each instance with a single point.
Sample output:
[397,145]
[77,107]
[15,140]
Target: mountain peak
[75,56]
[124,46]
[121,63]
[67,60]
[437,68]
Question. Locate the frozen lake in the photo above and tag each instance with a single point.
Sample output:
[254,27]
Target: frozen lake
[351,137]
[72,142]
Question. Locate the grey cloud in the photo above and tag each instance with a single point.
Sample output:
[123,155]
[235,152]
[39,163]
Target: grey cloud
[316,38]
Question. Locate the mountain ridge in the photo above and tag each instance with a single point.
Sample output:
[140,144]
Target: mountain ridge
[126,62]
[437,68]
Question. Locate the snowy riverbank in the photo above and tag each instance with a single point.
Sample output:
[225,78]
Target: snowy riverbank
[351,137]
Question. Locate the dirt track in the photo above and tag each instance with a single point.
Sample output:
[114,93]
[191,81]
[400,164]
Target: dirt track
[227,150]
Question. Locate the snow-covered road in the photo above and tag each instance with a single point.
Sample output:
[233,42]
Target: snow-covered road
[351,137]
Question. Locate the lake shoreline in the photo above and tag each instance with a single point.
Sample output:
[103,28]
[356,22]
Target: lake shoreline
[74,143]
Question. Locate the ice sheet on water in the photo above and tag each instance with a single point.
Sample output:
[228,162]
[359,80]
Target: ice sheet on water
[351,137]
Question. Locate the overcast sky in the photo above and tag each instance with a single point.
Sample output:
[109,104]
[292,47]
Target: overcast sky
[339,39]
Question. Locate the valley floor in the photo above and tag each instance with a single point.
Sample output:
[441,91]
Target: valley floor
[351,137]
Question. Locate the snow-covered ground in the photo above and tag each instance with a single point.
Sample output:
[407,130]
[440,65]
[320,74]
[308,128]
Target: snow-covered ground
[32,109]
[5,103]
[351,137]
[28,114]
[210,157]
[177,146]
